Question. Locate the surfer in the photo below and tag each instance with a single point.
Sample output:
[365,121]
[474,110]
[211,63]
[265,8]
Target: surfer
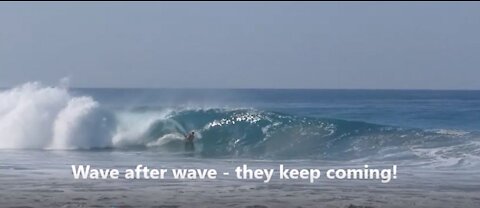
[190,137]
[189,146]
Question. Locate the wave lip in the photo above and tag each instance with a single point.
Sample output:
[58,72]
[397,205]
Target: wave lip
[33,116]
[263,134]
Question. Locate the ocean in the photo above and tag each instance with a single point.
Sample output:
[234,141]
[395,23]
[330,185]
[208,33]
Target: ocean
[432,136]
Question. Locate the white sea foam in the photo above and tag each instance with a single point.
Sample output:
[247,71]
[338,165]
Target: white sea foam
[82,124]
[33,116]
[166,139]
[131,127]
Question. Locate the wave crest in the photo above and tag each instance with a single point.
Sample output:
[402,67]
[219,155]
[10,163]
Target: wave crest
[33,116]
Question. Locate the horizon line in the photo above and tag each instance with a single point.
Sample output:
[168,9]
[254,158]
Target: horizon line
[256,88]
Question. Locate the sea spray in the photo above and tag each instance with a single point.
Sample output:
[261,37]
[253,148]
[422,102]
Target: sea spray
[27,114]
[82,125]
[33,116]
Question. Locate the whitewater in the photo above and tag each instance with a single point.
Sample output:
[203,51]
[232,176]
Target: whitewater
[33,116]
[432,136]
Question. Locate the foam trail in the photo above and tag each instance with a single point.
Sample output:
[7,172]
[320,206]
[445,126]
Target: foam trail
[166,139]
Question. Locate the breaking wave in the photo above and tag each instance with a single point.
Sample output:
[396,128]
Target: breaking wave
[33,116]
[36,117]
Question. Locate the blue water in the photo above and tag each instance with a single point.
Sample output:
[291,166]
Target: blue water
[433,137]
[346,125]
[313,124]
[434,109]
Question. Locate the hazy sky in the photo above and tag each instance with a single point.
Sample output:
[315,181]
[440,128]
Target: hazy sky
[433,45]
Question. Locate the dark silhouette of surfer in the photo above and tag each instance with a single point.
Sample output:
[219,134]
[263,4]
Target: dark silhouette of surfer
[189,146]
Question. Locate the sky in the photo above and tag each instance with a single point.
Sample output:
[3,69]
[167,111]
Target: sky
[340,45]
